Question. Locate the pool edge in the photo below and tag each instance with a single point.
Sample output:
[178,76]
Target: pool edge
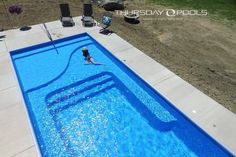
[119,62]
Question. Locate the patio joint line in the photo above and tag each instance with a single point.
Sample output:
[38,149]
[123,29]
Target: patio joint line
[117,50]
[11,106]
[23,150]
[6,46]
[121,51]
[1,90]
[168,77]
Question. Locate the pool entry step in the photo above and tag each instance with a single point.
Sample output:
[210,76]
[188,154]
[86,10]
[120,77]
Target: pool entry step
[73,94]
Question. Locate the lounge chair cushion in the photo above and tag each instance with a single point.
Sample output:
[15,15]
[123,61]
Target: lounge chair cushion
[88,18]
[67,21]
[88,21]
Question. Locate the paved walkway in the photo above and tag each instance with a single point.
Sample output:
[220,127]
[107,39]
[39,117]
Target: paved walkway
[16,136]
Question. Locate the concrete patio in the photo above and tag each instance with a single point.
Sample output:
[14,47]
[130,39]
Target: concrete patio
[16,135]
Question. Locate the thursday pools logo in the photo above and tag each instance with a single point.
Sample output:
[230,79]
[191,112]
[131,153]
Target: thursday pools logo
[166,12]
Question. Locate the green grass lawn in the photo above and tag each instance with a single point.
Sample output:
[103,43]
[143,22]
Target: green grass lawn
[220,8]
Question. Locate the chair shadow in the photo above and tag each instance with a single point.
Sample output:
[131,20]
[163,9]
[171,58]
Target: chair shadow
[25,28]
[106,32]
[132,21]
[2,36]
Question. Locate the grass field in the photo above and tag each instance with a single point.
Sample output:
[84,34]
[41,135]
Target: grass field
[217,8]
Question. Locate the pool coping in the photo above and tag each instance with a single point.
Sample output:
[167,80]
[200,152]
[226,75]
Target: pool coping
[188,99]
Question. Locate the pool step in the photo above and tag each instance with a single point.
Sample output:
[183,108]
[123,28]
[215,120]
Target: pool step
[71,95]
[75,93]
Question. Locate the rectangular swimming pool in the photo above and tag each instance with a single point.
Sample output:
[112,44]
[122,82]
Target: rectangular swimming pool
[100,110]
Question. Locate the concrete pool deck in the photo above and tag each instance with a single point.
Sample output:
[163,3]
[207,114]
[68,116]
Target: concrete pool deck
[16,136]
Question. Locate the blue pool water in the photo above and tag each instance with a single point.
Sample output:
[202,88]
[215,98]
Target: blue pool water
[100,110]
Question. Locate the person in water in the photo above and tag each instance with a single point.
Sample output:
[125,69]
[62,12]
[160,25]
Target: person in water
[87,57]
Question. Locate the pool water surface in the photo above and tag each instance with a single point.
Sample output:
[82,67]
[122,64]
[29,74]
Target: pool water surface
[100,110]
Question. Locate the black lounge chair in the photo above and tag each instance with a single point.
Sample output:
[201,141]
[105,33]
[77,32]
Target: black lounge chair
[106,21]
[87,18]
[66,17]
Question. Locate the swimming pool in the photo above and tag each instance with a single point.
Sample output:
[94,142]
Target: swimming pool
[100,110]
